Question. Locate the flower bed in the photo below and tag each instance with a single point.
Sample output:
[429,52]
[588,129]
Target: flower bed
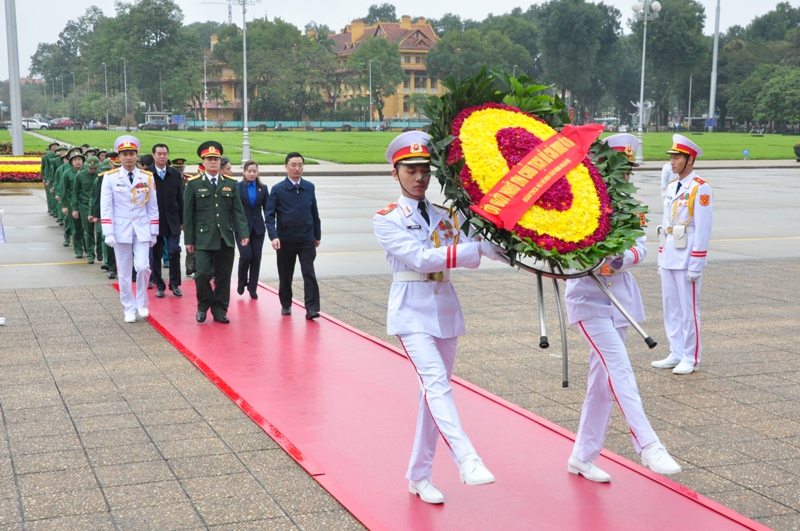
[483,127]
[20,169]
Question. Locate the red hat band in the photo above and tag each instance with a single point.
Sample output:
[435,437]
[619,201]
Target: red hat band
[684,149]
[211,151]
[415,150]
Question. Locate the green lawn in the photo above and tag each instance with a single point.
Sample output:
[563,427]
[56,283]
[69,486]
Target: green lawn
[369,147]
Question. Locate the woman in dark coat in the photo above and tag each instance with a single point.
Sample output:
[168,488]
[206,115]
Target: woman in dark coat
[254,201]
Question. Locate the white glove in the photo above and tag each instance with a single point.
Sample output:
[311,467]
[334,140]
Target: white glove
[2,214]
[692,276]
[110,241]
[491,250]
[153,241]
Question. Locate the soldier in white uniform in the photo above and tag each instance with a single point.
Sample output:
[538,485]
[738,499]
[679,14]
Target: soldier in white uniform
[129,217]
[666,177]
[611,377]
[423,242]
[683,245]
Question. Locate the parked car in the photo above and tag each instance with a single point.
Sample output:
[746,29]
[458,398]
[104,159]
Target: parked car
[65,123]
[154,125]
[34,123]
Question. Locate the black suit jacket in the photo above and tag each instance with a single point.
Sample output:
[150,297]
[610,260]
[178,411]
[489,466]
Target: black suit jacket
[254,214]
[169,194]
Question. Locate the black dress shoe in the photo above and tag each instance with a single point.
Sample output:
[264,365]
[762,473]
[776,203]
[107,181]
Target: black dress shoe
[150,285]
[286,311]
[240,289]
[104,267]
[160,293]
[111,274]
[253,295]
[221,319]
[200,316]
[177,291]
[313,314]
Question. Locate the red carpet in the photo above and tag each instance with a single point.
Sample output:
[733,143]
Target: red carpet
[343,404]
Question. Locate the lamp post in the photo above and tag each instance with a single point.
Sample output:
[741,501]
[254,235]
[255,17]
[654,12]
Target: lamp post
[647,10]
[205,94]
[125,82]
[712,101]
[514,71]
[105,74]
[245,130]
[370,94]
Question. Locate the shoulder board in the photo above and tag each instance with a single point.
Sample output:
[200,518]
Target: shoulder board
[388,208]
[673,180]
[111,172]
[229,177]
[699,180]
[147,172]
[449,211]
[194,178]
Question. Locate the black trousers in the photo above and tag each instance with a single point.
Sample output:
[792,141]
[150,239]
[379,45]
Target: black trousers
[287,256]
[250,261]
[173,245]
[218,264]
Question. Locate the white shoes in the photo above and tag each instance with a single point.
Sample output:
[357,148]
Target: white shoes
[667,363]
[587,469]
[130,317]
[426,491]
[474,472]
[685,367]
[656,458]
[143,312]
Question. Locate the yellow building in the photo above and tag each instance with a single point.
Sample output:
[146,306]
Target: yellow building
[415,40]
[224,90]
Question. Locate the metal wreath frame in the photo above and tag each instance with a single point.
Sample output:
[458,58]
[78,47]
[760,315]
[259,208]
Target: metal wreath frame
[552,270]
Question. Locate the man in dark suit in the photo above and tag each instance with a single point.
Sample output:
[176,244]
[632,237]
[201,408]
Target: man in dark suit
[211,212]
[254,201]
[295,234]
[169,193]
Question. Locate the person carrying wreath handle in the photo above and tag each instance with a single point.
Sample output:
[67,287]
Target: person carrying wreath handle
[611,378]
[423,242]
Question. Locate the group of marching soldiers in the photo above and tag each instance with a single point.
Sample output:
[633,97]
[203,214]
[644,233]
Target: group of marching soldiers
[72,180]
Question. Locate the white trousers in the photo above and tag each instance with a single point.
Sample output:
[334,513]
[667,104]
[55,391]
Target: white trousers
[139,253]
[433,359]
[610,379]
[681,301]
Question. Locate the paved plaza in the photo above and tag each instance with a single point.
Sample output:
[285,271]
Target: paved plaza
[105,425]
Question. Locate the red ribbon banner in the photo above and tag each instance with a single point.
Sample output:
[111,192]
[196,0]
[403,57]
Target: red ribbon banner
[525,183]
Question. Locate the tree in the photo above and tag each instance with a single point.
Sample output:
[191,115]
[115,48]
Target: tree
[462,54]
[775,25]
[383,13]
[779,99]
[743,101]
[569,43]
[521,32]
[387,72]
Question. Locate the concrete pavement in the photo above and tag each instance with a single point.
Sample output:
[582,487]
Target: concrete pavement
[107,426]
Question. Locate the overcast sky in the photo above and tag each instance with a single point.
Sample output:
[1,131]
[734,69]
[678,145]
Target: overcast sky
[42,20]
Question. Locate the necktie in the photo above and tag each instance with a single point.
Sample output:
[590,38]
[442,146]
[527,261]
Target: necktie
[424,211]
[678,189]
[213,181]
[161,173]
[130,176]
[297,188]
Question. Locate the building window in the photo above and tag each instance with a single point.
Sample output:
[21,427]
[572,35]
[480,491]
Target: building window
[406,104]
[418,59]
[407,82]
[434,84]
[420,83]
[406,59]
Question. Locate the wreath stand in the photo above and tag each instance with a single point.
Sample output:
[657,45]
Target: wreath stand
[549,269]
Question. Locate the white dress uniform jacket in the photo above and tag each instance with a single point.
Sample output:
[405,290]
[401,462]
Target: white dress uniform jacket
[410,245]
[698,228]
[127,208]
[584,300]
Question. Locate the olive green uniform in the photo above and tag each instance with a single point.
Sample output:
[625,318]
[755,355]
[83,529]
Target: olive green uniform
[82,199]
[71,226]
[210,215]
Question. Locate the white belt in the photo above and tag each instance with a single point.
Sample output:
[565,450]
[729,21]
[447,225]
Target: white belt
[416,276]
[689,230]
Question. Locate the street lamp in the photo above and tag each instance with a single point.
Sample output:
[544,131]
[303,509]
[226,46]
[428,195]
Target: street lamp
[125,81]
[245,130]
[370,94]
[105,73]
[646,10]
[514,71]
[205,95]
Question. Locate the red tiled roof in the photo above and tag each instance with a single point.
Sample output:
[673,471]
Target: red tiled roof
[420,37]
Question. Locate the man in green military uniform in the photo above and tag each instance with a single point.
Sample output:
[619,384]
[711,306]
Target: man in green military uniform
[212,209]
[109,260]
[56,166]
[47,160]
[69,208]
[82,199]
